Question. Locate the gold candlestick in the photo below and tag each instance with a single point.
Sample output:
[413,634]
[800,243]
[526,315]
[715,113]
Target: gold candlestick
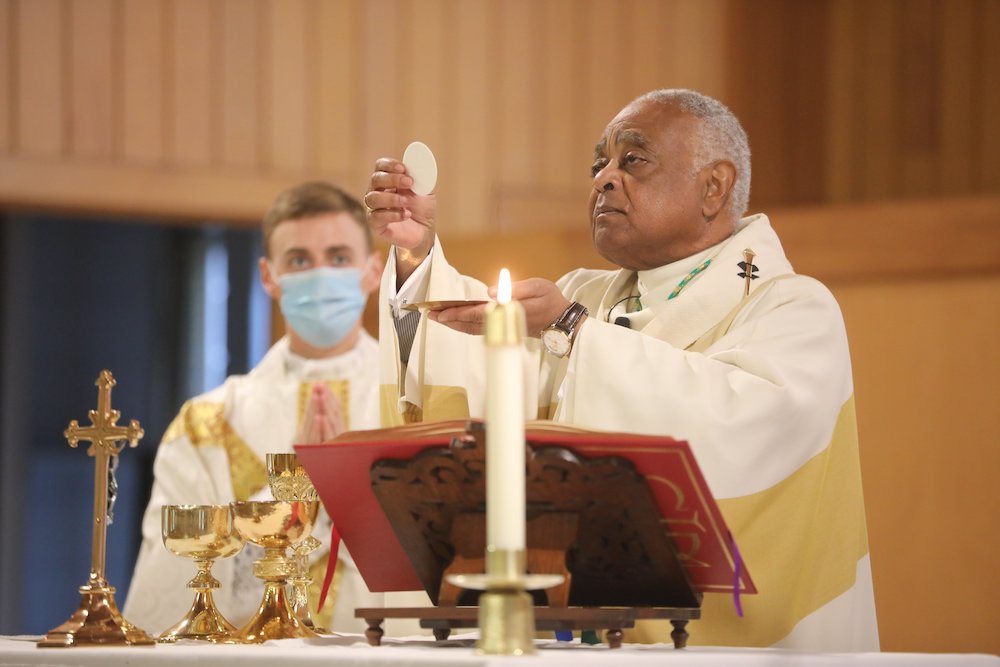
[97,621]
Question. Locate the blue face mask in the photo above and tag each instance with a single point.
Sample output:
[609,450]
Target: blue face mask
[323,304]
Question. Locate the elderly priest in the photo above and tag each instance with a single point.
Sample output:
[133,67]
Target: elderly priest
[705,333]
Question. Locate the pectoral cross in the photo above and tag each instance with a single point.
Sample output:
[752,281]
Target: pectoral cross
[97,621]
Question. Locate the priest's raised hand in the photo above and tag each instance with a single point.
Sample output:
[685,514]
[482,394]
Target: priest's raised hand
[399,215]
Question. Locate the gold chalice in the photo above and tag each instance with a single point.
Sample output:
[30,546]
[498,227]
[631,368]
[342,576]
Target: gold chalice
[274,525]
[289,481]
[204,533]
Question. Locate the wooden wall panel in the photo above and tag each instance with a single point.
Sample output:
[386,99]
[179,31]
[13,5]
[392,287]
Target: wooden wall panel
[467,196]
[927,422]
[959,100]
[651,40]
[777,89]
[193,86]
[605,84]
[520,130]
[875,174]
[919,128]
[338,83]
[240,105]
[380,93]
[988,136]
[695,35]
[143,68]
[427,73]
[288,94]
[39,76]
[7,43]
[564,157]
[91,90]
[844,100]
[838,180]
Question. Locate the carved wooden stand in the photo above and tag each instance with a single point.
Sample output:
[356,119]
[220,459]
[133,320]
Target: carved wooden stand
[592,520]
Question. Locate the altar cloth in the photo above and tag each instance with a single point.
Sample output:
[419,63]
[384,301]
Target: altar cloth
[353,650]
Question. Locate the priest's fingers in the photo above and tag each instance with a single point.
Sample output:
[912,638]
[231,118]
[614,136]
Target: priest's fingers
[388,181]
[308,418]
[316,431]
[334,414]
[467,319]
[389,164]
[542,300]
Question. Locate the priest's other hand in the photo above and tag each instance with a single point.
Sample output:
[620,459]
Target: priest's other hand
[323,419]
[542,301]
[395,212]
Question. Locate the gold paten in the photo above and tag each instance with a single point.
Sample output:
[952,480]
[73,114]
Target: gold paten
[274,525]
[97,621]
[289,481]
[203,533]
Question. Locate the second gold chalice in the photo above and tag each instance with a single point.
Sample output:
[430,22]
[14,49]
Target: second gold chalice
[289,481]
[204,533]
[274,525]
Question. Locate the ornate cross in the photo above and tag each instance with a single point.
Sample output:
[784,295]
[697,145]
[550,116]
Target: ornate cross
[106,439]
[97,621]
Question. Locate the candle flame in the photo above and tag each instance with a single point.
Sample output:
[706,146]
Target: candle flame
[503,287]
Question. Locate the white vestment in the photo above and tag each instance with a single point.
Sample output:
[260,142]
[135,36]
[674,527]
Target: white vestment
[214,452]
[759,386]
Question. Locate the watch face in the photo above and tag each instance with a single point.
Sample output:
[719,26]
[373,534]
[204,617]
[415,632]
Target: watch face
[556,342]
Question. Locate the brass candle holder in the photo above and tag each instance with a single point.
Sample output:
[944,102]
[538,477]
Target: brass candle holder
[274,525]
[203,533]
[506,610]
[289,481]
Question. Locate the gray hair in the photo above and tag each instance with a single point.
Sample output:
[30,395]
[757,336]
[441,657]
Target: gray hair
[721,137]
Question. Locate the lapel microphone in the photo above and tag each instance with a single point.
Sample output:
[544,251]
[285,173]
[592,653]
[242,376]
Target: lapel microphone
[623,321]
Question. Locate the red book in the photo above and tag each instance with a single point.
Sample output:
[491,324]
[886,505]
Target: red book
[340,472]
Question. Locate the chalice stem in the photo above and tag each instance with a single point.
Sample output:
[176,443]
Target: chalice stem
[204,578]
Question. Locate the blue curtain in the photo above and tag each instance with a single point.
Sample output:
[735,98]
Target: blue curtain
[76,297]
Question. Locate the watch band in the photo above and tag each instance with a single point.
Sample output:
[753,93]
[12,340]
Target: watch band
[570,318]
[565,327]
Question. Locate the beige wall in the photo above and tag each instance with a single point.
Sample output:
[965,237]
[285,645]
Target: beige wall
[204,109]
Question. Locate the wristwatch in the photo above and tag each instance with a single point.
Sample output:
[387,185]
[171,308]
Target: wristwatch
[558,337]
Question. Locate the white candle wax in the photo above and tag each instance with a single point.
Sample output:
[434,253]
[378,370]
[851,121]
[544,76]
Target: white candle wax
[505,465]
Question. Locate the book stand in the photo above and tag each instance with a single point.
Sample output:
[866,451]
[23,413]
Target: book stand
[592,520]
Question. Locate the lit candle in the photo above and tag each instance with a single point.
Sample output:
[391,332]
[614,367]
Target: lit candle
[505,468]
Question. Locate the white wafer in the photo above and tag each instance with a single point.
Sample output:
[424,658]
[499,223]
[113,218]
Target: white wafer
[421,166]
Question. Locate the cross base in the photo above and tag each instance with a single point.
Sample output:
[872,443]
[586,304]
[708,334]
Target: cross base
[97,622]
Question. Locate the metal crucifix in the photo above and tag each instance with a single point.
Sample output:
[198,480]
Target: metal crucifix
[97,620]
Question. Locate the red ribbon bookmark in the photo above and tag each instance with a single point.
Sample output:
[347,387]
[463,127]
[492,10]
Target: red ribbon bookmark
[331,566]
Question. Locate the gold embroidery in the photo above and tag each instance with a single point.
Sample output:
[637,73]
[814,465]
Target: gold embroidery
[339,388]
[205,425]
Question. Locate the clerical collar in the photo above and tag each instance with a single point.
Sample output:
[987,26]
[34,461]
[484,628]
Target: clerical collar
[313,369]
[667,277]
